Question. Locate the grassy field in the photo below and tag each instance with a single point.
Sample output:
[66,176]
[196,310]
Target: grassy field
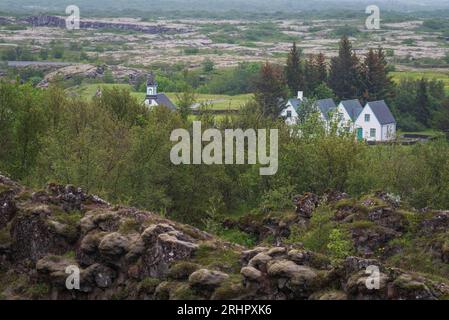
[216,102]
[428,74]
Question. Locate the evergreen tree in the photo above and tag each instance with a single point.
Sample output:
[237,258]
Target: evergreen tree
[270,90]
[185,100]
[311,76]
[321,68]
[377,85]
[294,70]
[344,76]
[441,117]
[422,108]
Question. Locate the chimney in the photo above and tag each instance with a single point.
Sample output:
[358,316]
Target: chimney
[300,95]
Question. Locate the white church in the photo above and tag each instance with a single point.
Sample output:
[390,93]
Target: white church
[153,98]
[374,122]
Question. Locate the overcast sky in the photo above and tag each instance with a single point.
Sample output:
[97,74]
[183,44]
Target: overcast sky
[214,5]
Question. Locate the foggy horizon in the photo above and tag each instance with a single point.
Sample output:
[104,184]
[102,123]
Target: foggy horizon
[265,6]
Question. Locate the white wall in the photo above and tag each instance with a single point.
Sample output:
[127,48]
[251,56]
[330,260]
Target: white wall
[294,118]
[367,126]
[345,121]
[389,132]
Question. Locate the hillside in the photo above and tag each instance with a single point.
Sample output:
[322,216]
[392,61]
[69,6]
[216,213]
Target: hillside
[126,253]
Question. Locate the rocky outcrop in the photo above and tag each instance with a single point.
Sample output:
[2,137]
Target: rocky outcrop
[50,236]
[54,21]
[119,73]
[61,226]
[279,277]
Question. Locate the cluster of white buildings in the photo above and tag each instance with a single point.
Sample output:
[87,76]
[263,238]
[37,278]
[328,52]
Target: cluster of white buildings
[372,122]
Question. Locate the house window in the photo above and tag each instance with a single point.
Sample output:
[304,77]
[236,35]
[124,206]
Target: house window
[372,133]
[289,114]
[367,117]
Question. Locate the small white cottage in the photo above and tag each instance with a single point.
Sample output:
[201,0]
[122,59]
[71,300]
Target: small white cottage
[325,107]
[290,113]
[376,122]
[348,111]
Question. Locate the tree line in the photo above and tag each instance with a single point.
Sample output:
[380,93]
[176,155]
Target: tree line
[417,104]
[115,147]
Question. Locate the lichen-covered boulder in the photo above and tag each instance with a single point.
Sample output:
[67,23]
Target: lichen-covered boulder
[251,274]
[306,204]
[33,237]
[113,245]
[207,279]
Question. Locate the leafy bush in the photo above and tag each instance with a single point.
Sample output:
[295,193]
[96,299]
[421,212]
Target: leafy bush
[340,244]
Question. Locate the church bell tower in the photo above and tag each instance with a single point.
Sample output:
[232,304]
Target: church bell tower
[151,98]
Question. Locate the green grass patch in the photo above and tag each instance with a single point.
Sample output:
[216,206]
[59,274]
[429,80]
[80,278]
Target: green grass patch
[416,75]
[224,259]
[213,101]
[239,237]
[38,291]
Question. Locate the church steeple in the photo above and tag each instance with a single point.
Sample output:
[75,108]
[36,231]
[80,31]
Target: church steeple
[151,87]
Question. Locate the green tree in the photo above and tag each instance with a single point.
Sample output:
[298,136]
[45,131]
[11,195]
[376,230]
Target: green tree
[422,111]
[344,76]
[208,65]
[185,102]
[441,118]
[270,90]
[294,70]
[322,91]
[321,65]
[376,82]
[311,75]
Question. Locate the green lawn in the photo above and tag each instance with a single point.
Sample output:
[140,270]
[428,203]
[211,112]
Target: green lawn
[428,74]
[428,132]
[216,102]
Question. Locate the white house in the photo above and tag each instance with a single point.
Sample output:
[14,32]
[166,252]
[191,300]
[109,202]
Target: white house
[376,123]
[348,111]
[290,113]
[153,98]
[325,107]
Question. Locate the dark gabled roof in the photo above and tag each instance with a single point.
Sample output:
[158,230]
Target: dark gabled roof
[162,99]
[296,103]
[326,106]
[353,108]
[382,112]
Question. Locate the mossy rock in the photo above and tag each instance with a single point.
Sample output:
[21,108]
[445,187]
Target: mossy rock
[361,224]
[319,261]
[164,289]
[344,203]
[215,257]
[192,232]
[24,196]
[70,220]
[5,235]
[182,270]
[4,188]
[407,282]
[183,291]
[230,289]
[329,295]
[129,226]
[148,285]
[38,291]
[70,255]
[121,293]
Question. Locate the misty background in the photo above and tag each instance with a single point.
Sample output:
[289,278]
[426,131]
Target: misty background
[91,7]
